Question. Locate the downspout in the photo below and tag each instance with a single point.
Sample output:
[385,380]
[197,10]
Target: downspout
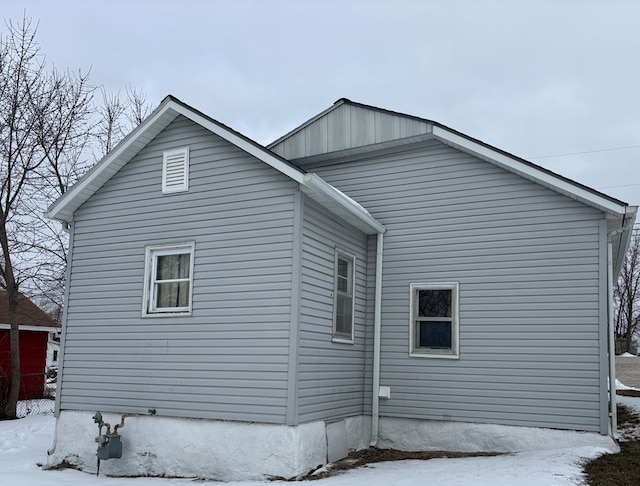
[377,320]
[67,228]
[613,412]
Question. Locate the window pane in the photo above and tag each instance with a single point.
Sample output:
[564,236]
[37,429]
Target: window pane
[343,275]
[434,334]
[343,284]
[173,266]
[343,267]
[344,319]
[434,303]
[175,294]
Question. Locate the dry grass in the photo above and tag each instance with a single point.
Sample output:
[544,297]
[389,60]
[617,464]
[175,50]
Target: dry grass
[622,469]
[367,456]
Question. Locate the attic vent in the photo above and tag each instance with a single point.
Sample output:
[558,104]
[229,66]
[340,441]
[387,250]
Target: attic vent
[175,170]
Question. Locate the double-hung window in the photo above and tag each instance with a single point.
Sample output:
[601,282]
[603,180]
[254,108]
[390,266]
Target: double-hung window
[343,301]
[434,320]
[169,279]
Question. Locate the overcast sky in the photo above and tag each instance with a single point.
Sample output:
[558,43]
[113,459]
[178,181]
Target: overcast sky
[536,78]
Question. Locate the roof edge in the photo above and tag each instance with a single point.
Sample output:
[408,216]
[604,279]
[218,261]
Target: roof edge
[350,210]
[81,191]
[489,152]
[529,170]
[53,212]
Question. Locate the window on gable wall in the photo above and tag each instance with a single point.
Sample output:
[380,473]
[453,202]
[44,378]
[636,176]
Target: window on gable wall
[343,301]
[175,170]
[169,279]
[434,320]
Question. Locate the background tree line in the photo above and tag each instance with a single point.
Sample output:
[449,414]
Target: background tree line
[626,296]
[54,125]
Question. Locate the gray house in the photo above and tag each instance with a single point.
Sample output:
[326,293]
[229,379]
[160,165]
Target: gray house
[370,278]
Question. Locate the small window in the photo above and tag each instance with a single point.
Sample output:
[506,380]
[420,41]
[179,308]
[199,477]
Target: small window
[434,320]
[343,302]
[169,277]
[175,170]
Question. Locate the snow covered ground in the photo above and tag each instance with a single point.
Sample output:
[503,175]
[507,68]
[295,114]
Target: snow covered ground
[24,443]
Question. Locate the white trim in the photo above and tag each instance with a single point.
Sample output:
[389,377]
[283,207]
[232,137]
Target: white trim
[377,324]
[257,151]
[148,294]
[175,167]
[22,327]
[535,174]
[454,353]
[341,204]
[351,284]
[63,208]
[99,173]
[169,109]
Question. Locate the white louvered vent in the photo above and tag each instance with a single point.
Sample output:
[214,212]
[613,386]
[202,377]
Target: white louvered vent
[175,170]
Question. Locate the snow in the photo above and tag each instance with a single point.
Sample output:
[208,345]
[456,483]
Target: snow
[432,435]
[24,444]
[622,386]
[628,355]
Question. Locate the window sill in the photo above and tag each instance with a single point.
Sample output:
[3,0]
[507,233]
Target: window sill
[434,355]
[166,314]
[342,340]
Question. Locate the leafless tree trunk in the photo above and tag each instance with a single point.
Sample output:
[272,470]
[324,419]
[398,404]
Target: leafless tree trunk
[49,128]
[627,293]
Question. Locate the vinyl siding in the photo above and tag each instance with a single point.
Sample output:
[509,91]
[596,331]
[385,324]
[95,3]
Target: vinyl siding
[347,127]
[331,374]
[228,360]
[527,261]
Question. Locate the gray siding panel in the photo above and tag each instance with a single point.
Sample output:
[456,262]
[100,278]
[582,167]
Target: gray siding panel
[348,127]
[527,260]
[330,374]
[229,359]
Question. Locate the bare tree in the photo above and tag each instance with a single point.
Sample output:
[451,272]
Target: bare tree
[49,127]
[44,118]
[627,293]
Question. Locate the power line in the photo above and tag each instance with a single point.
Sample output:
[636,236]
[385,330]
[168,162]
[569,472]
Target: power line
[623,185]
[586,152]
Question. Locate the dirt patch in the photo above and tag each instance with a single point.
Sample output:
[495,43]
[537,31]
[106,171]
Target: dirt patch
[628,393]
[372,455]
[622,469]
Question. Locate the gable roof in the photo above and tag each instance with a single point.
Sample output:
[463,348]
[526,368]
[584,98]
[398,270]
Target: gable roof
[168,110]
[348,128]
[356,127]
[30,316]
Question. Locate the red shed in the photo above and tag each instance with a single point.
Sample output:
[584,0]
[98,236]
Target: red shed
[35,328]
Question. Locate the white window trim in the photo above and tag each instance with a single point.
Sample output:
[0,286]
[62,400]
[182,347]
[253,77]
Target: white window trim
[184,153]
[149,272]
[454,353]
[335,337]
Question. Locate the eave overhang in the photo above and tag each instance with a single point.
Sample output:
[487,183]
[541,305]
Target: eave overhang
[22,327]
[170,108]
[340,204]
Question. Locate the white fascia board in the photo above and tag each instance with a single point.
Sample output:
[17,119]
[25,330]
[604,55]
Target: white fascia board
[63,208]
[32,328]
[624,239]
[258,152]
[532,173]
[341,204]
